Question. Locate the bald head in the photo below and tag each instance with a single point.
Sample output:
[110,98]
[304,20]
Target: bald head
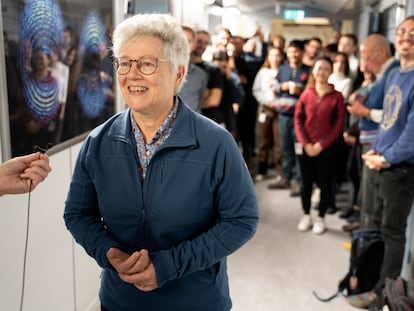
[379,42]
[375,51]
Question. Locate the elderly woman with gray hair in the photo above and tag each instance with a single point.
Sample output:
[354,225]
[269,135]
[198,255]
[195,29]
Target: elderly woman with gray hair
[160,195]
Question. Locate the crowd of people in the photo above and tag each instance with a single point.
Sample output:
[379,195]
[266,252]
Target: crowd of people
[320,114]
[253,88]
[323,114]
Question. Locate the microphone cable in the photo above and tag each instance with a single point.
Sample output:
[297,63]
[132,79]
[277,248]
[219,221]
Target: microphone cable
[25,246]
[42,150]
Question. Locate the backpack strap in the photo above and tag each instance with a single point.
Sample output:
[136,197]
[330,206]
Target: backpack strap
[339,292]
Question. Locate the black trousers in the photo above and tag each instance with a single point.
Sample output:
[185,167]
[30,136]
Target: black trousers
[396,192]
[320,170]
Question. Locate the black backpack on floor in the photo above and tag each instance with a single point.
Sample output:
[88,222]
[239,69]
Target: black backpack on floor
[367,253]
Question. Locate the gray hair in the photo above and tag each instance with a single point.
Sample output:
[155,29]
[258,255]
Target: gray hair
[162,26]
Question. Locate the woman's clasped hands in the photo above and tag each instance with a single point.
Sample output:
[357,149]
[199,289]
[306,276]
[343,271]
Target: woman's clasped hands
[136,268]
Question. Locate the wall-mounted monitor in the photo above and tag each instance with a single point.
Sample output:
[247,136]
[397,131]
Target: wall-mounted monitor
[58,71]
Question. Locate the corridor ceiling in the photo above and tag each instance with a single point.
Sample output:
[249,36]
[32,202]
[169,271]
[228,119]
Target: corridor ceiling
[326,8]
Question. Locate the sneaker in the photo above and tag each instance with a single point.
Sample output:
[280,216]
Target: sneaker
[281,183]
[353,218]
[319,226]
[363,300]
[351,227]
[278,178]
[347,213]
[259,177]
[294,188]
[305,223]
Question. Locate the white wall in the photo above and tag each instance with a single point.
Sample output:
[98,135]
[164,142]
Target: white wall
[246,25]
[190,12]
[59,275]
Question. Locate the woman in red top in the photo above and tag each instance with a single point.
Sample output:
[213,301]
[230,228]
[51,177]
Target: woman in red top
[319,119]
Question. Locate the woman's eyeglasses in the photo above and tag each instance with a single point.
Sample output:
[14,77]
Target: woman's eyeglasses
[146,65]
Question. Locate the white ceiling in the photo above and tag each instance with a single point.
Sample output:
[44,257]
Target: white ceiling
[329,7]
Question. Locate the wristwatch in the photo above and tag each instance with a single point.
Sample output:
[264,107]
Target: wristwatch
[385,163]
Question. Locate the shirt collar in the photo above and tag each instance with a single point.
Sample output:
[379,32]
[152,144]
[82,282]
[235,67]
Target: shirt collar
[166,125]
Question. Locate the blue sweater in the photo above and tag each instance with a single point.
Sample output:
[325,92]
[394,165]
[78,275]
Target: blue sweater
[396,132]
[374,101]
[196,205]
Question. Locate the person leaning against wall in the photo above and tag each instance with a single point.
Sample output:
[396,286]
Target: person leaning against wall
[160,194]
[23,174]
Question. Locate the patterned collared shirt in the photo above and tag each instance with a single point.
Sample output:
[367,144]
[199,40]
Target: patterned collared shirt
[146,151]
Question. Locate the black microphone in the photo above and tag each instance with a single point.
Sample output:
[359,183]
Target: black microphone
[37,148]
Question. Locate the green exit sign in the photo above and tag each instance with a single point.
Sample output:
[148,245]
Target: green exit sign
[293,14]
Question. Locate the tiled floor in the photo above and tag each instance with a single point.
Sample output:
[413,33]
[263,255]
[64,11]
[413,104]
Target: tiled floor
[280,267]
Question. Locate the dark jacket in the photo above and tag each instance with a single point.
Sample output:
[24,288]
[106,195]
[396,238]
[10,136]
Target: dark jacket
[196,206]
[286,102]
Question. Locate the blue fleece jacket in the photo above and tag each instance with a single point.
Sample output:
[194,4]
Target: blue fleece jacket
[196,205]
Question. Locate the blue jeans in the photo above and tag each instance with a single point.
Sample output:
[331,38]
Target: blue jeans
[290,165]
